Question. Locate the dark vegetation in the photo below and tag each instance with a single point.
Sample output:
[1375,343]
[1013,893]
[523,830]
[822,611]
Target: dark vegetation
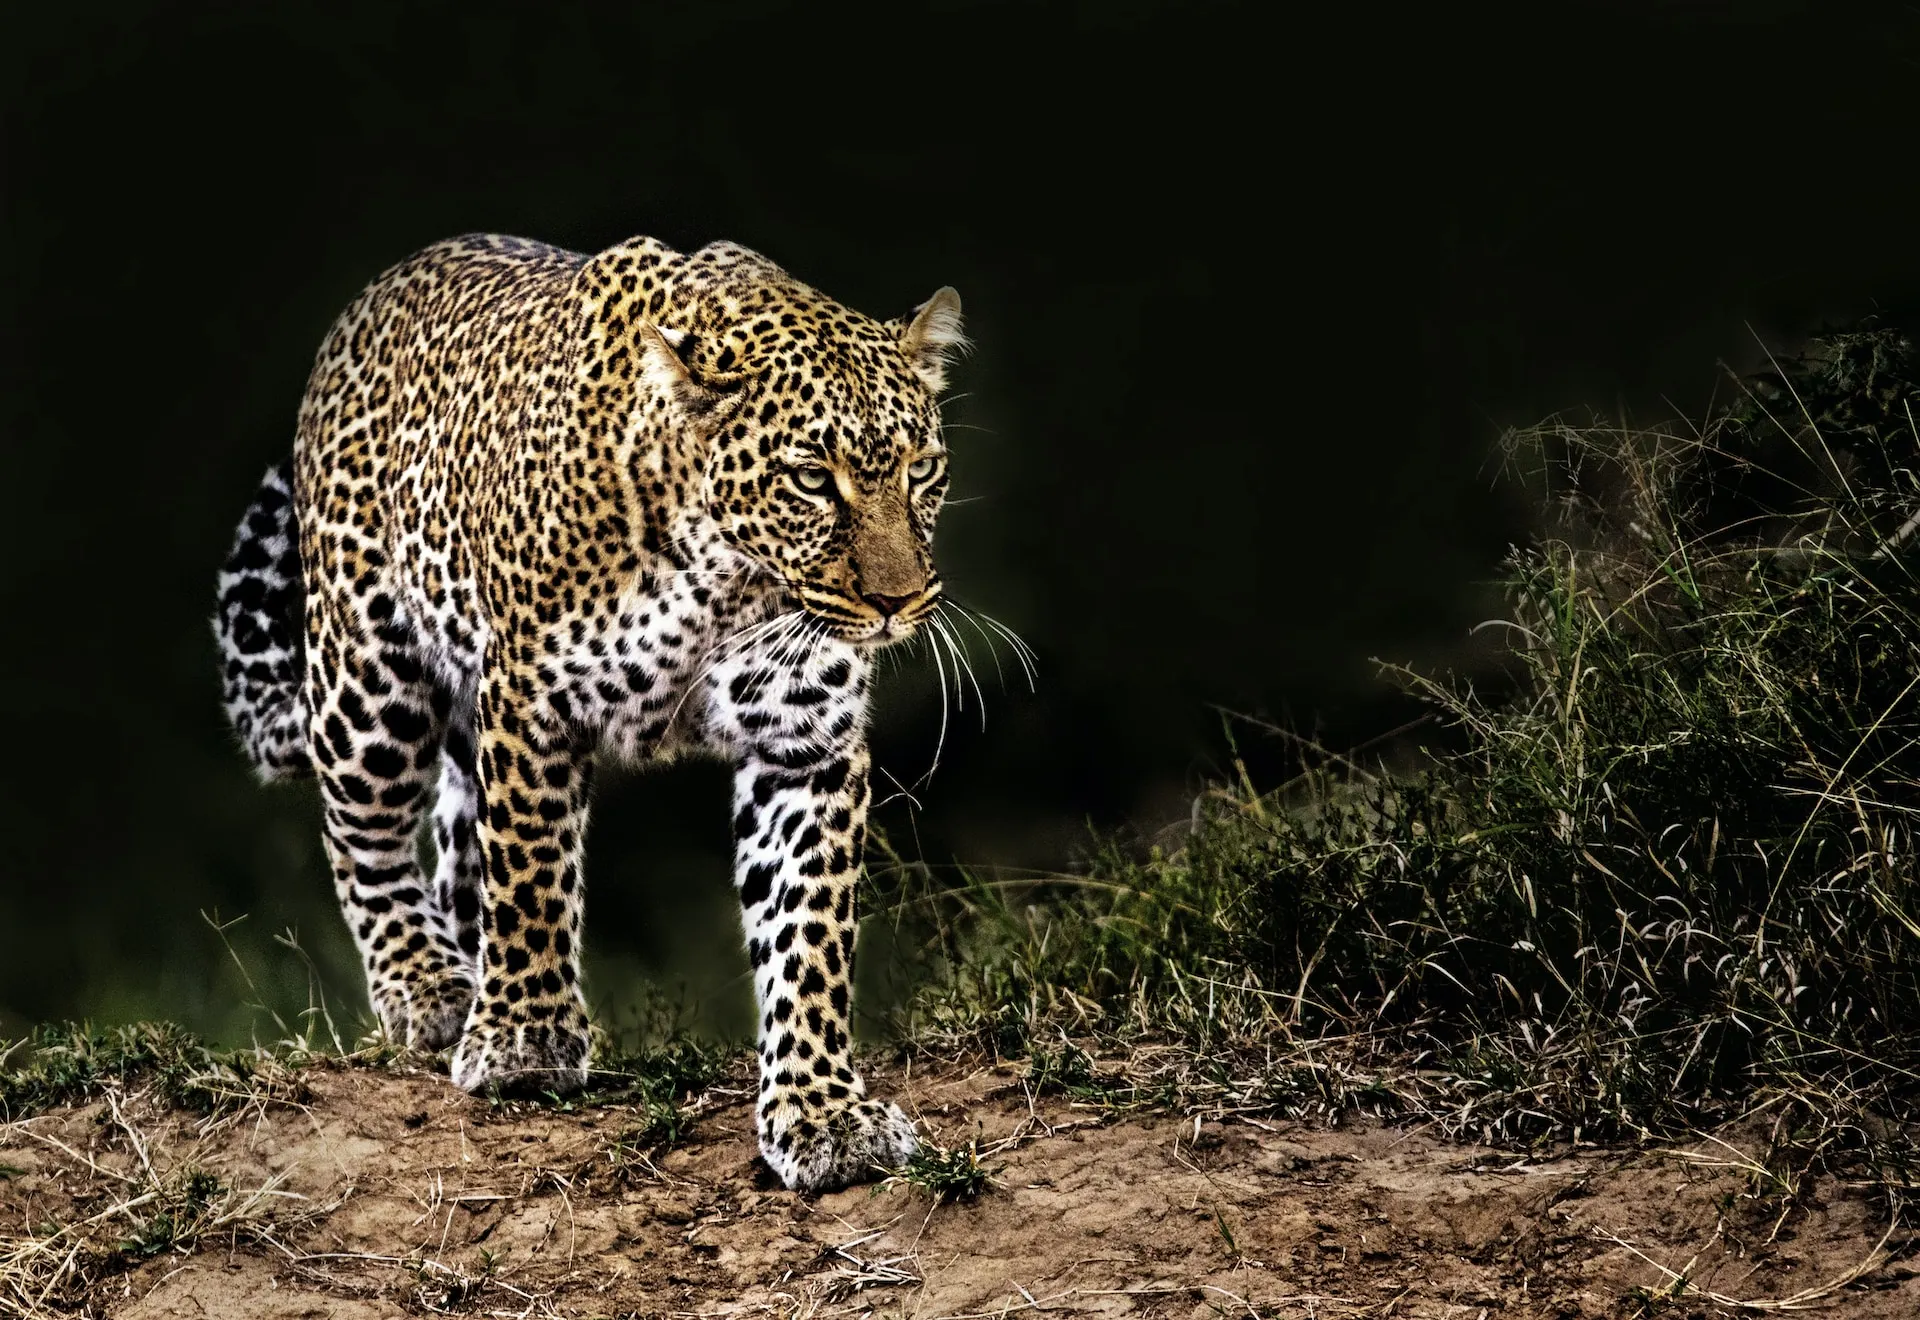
[1662,879]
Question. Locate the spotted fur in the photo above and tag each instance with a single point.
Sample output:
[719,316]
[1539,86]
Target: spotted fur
[544,507]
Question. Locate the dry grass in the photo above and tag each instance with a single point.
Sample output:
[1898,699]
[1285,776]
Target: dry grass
[150,1087]
[132,1205]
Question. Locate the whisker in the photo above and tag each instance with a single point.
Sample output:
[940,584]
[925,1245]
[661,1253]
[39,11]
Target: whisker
[940,743]
[1019,642]
[727,562]
[803,639]
[973,676]
[1029,660]
[992,650]
[1024,653]
[789,646]
[959,692]
[748,632]
[819,642]
[744,636]
[900,791]
[827,635]
[932,640]
[961,663]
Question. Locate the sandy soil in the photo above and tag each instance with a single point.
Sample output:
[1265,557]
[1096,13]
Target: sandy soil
[388,1193]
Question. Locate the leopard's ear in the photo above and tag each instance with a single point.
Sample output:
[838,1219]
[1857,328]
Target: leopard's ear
[931,336]
[664,370]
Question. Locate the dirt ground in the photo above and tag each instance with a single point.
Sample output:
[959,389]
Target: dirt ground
[389,1193]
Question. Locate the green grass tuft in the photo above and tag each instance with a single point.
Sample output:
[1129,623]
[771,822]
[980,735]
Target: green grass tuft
[186,1202]
[60,1063]
[955,1174]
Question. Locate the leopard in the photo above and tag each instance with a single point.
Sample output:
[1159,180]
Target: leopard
[546,510]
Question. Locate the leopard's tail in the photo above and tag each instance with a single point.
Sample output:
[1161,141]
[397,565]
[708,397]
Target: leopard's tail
[257,627]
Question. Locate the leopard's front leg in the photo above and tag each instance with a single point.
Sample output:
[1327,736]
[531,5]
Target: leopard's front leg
[528,1027]
[800,826]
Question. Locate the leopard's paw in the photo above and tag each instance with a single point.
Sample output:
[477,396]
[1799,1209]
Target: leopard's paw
[854,1143]
[524,1058]
[427,1011]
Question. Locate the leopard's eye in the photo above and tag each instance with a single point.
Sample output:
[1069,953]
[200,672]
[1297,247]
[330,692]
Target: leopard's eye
[923,467]
[813,480]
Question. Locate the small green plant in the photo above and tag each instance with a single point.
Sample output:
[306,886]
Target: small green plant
[948,1173]
[1225,1229]
[1068,1069]
[653,1077]
[1644,1303]
[673,1067]
[659,1123]
[186,1202]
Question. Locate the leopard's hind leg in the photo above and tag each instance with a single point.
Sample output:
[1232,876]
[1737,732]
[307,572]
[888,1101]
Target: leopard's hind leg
[457,878]
[378,719]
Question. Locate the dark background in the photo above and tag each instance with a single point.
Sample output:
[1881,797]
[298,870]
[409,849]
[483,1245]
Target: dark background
[1253,296]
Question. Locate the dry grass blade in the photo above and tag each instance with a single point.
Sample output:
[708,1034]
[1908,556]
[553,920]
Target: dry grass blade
[1678,1283]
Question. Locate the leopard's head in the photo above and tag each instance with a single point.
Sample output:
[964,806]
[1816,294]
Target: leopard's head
[825,464]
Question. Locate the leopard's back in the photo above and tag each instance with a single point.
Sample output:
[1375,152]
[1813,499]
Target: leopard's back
[410,419]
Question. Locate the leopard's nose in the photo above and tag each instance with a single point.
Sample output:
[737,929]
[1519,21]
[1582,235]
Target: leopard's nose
[887,604]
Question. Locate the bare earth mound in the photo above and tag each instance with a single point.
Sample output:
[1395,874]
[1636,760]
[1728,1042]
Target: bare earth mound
[382,1192]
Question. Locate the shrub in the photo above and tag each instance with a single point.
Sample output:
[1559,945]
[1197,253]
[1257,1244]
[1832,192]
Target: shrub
[1664,874]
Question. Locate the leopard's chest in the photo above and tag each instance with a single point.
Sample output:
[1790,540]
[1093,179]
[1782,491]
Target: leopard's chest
[685,664]
[627,675]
